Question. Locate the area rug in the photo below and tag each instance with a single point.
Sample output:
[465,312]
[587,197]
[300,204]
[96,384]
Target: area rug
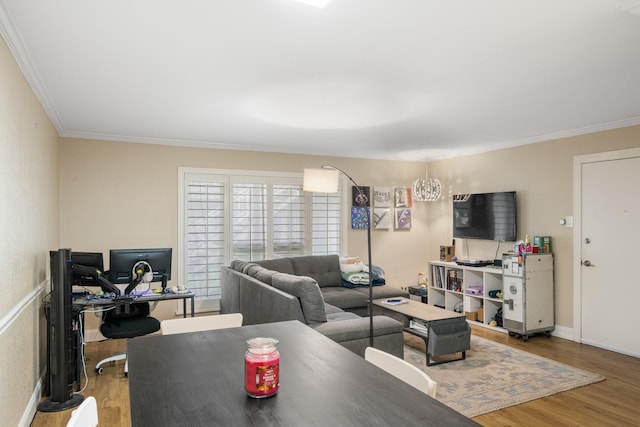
[495,376]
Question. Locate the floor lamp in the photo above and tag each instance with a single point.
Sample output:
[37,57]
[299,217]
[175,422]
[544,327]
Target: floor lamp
[325,180]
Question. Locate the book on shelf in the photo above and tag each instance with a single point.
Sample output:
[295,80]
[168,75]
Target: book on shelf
[438,276]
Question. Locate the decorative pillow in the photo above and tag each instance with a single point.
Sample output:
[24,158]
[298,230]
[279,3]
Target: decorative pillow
[307,291]
[247,266]
[254,269]
[237,265]
[266,276]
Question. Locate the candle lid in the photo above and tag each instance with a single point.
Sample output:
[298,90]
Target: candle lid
[262,345]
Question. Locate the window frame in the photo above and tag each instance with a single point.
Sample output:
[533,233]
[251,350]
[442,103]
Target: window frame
[228,177]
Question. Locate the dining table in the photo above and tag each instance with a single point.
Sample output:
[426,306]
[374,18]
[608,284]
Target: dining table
[197,379]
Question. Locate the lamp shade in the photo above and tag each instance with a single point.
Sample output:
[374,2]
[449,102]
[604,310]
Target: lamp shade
[321,180]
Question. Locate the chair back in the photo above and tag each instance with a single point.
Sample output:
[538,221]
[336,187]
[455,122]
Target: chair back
[200,323]
[128,321]
[402,370]
[85,415]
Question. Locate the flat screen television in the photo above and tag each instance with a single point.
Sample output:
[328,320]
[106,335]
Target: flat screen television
[487,216]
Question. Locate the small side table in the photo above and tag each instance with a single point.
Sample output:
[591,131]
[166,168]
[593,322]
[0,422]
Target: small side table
[419,291]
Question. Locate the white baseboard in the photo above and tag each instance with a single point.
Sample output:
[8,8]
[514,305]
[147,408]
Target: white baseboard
[563,332]
[32,406]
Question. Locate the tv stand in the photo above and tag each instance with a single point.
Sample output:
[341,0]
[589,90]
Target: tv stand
[467,289]
[474,262]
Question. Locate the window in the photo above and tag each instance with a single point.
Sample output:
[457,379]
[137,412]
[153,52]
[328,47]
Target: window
[226,215]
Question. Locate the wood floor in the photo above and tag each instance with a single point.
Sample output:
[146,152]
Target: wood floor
[613,402]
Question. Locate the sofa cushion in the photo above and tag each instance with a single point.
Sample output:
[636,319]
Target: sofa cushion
[344,298]
[307,291]
[282,265]
[325,269]
[331,309]
[253,269]
[247,266]
[237,265]
[265,275]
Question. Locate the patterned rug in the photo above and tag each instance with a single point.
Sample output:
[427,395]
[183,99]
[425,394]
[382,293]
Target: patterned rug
[495,376]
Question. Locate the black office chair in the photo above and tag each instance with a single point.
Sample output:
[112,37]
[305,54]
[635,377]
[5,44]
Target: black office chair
[126,320]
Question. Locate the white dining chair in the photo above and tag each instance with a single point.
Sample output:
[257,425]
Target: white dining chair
[200,323]
[85,415]
[402,370]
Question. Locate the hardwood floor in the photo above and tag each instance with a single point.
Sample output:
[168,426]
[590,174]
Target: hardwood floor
[613,402]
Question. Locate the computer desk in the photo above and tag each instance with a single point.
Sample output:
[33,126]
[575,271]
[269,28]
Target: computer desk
[91,300]
[81,303]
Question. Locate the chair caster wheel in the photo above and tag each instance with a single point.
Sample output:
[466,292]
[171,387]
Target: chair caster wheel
[512,334]
[99,371]
[126,374]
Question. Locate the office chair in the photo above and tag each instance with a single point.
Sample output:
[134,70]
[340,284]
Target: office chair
[201,323]
[402,370]
[126,320]
[86,415]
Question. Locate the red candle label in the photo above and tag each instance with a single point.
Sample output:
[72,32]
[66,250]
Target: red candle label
[262,379]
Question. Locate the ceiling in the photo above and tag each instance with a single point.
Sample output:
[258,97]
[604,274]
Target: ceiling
[414,80]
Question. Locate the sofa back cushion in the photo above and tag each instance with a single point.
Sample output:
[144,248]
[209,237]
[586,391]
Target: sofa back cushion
[307,291]
[282,265]
[325,269]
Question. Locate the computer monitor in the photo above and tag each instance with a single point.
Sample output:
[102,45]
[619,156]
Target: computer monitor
[88,259]
[122,261]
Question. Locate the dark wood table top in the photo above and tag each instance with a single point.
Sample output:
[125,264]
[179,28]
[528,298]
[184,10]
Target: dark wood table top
[197,379]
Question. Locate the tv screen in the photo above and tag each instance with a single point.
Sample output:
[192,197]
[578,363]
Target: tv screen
[488,216]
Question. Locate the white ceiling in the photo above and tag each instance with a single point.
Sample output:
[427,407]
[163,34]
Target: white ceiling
[388,79]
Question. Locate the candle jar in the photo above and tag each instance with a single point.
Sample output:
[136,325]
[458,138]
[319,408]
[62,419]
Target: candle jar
[262,367]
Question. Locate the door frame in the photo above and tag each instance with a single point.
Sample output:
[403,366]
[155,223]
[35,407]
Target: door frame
[578,161]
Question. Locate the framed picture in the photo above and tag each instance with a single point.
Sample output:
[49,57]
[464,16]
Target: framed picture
[381,218]
[403,219]
[357,198]
[359,218]
[402,197]
[382,197]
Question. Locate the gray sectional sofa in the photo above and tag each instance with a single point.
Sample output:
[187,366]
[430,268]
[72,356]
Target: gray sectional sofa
[309,289]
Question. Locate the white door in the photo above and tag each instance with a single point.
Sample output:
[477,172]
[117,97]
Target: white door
[607,267]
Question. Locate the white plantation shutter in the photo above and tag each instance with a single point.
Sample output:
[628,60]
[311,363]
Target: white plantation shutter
[205,237]
[289,227]
[326,219]
[249,229]
[227,215]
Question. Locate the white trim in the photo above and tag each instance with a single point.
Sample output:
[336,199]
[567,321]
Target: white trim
[8,319]
[562,332]
[32,406]
[23,59]
[578,162]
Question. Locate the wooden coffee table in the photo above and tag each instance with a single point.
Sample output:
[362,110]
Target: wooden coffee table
[427,315]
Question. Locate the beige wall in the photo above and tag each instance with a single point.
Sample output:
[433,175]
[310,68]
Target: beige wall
[104,186]
[123,195]
[28,230]
[542,176]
